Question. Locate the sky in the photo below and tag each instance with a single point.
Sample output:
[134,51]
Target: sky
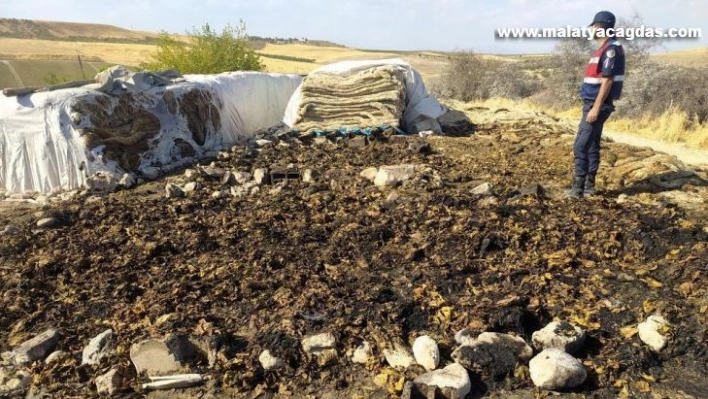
[442,25]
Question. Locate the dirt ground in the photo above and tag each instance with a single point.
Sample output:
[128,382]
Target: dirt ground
[340,255]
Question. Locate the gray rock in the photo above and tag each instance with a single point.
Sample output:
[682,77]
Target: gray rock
[41,200]
[516,345]
[229,179]
[559,335]
[653,332]
[426,352]
[47,223]
[102,182]
[155,358]
[362,354]
[318,344]
[492,361]
[127,181]
[399,356]
[10,230]
[483,189]
[150,173]
[36,348]
[554,369]
[173,191]
[214,173]
[270,362]
[111,382]
[453,381]
[98,348]
[390,176]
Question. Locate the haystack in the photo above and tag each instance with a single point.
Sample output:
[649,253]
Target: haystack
[371,98]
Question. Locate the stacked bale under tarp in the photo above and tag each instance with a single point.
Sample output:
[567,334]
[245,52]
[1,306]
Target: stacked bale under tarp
[371,98]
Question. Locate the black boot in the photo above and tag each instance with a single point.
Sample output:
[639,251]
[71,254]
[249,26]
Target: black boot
[589,189]
[576,191]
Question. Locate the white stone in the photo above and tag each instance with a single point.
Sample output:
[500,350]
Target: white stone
[318,344]
[464,337]
[308,176]
[650,332]
[389,176]
[109,383]
[98,348]
[218,194]
[191,187]
[270,362]
[150,173]
[399,356]
[127,181]
[426,352]
[363,353]
[260,176]
[47,223]
[15,384]
[154,357]
[173,191]
[191,173]
[242,177]
[263,143]
[554,369]
[56,357]
[369,174]
[453,377]
[173,382]
[559,335]
[223,156]
[483,189]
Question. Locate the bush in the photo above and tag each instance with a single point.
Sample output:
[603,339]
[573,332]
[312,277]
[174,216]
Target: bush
[469,77]
[205,52]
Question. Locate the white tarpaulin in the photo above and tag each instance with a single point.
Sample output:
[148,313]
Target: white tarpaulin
[422,109]
[54,140]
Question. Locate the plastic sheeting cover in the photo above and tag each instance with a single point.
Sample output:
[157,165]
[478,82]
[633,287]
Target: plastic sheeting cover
[41,148]
[420,107]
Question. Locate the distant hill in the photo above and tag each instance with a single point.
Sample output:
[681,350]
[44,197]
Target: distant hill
[71,31]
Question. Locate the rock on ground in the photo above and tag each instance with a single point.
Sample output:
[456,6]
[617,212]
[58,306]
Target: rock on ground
[173,191]
[483,189]
[36,348]
[453,379]
[369,174]
[127,181]
[318,344]
[363,353]
[270,362]
[426,352]
[559,335]
[514,344]
[98,348]
[399,356]
[109,383]
[47,223]
[491,361]
[156,357]
[389,176]
[554,369]
[653,332]
[14,383]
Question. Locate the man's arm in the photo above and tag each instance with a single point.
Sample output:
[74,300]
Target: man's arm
[605,87]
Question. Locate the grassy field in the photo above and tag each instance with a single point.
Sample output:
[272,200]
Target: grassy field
[695,57]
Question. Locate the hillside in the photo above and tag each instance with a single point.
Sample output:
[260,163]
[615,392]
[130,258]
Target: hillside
[69,31]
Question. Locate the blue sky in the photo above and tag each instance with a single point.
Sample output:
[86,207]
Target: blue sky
[373,24]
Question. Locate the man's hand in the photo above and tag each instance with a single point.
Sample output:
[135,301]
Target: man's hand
[593,114]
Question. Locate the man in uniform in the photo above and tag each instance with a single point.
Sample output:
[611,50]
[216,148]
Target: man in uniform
[602,85]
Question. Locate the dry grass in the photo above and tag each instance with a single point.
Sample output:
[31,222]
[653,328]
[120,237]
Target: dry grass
[113,53]
[695,57]
[321,54]
[673,126]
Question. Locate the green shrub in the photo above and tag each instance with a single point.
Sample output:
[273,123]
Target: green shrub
[205,51]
